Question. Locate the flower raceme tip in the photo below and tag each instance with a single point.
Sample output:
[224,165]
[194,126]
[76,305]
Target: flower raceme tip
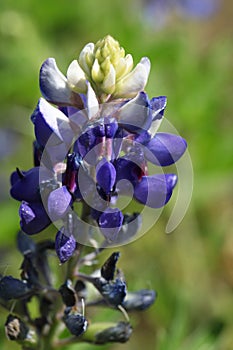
[91,153]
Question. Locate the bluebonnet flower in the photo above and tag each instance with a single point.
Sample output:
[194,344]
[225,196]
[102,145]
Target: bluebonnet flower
[92,152]
[96,133]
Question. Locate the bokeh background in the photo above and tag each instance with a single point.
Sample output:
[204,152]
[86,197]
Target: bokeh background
[191,54]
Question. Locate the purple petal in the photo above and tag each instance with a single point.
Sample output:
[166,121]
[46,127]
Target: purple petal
[110,222]
[59,202]
[33,217]
[131,170]
[135,116]
[105,175]
[165,149]
[13,288]
[140,300]
[51,125]
[65,245]
[111,127]
[143,138]
[158,105]
[156,190]
[53,83]
[88,144]
[26,187]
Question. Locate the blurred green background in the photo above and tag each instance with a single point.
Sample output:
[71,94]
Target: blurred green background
[191,268]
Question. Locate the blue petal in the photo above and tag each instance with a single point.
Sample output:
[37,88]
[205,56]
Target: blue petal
[155,190]
[111,127]
[130,169]
[65,245]
[59,202]
[51,125]
[158,105]
[53,83]
[87,143]
[165,149]
[26,187]
[13,288]
[135,116]
[105,175]
[114,293]
[140,300]
[110,222]
[76,323]
[33,217]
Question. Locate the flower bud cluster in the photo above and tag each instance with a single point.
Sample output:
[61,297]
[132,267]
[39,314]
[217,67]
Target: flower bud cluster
[66,303]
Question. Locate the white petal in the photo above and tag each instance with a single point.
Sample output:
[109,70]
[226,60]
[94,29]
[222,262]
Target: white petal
[135,114]
[92,102]
[129,62]
[155,126]
[53,83]
[135,81]
[108,85]
[87,51]
[76,77]
[96,72]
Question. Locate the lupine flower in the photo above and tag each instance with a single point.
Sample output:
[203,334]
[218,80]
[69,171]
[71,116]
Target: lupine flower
[111,145]
[96,133]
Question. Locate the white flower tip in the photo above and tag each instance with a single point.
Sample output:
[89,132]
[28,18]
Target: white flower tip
[108,85]
[76,77]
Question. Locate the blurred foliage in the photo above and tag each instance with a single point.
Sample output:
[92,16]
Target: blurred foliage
[192,268]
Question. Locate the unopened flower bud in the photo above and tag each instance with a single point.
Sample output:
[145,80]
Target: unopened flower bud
[15,328]
[75,322]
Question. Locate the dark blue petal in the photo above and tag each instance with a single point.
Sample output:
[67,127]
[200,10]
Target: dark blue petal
[156,190]
[158,105]
[111,127]
[109,267]
[51,125]
[119,333]
[59,202]
[33,217]
[143,138]
[12,288]
[136,116]
[76,323]
[127,169]
[140,300]
[165,149]
[26,187]
[25,244]
[86,145]
[105,175]
[68,295]
[65,245]
[114,292]
[110,222]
